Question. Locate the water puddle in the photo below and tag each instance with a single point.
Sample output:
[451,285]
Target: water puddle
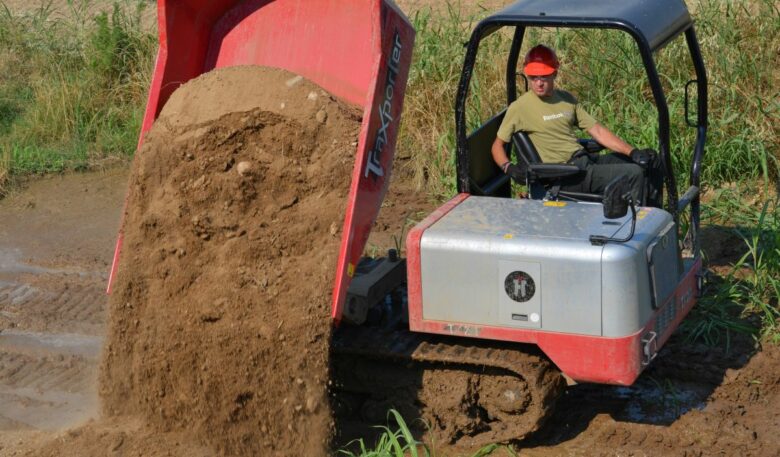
[659,402]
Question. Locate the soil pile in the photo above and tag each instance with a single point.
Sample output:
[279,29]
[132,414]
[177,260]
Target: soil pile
[219,318]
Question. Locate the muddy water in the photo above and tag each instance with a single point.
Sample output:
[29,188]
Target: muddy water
[56,242]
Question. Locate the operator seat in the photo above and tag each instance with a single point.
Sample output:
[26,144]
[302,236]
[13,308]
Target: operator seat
[544,180]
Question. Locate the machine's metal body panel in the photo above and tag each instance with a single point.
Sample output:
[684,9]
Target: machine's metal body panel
[487,250]
[664,267]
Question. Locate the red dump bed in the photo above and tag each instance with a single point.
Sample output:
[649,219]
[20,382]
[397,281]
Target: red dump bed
[358,50]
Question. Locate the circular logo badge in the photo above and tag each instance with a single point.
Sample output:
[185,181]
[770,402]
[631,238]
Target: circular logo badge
[519,286]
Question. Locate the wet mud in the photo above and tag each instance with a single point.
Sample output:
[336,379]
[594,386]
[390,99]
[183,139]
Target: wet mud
[54,256]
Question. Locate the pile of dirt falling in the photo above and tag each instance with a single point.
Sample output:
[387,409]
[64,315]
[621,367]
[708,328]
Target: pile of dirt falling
[219,317]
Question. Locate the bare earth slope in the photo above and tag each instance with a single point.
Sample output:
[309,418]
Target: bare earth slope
[220,318]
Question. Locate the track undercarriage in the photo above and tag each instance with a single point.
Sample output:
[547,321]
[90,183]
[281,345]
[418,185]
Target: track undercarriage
[468,393]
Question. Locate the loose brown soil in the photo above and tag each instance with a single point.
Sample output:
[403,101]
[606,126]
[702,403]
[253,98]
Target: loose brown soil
[220,317]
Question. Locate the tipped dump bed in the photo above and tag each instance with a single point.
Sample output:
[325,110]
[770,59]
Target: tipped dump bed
[357,50]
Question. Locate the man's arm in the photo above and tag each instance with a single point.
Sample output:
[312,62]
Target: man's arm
[499,154]
[608,139]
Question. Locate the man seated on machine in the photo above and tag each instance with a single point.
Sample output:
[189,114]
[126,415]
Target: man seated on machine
[549,115]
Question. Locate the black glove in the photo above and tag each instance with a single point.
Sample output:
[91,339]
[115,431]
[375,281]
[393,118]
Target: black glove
[643,157]
[516,173]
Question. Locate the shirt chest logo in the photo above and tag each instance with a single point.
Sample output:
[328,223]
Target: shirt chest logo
[552,117]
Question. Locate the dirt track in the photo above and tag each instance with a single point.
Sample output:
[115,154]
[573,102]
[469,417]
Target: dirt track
[54,254]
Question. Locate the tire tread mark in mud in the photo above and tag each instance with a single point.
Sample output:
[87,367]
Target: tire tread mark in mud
[64,299]
[71,373]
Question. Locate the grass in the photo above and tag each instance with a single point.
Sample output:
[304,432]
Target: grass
[72,88]
[751,287]
[397,441]
[739,42]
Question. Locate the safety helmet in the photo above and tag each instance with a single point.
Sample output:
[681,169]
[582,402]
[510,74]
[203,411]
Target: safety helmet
[540,61]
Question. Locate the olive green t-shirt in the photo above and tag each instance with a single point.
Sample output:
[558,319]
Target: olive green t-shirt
[549,123]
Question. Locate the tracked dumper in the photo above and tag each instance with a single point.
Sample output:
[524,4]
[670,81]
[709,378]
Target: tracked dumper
[498,298]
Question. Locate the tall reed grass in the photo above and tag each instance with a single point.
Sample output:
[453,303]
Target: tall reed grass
[751,286]
[739,42]
[72,86]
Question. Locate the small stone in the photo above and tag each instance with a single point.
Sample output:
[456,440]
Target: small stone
[118,441]
[288,201]
[321,116]
[312,405]
[312,96]
[244,168]
[199,182]
[334,228]
[299,381]
[293,81]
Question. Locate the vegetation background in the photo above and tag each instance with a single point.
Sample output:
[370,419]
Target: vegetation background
[73,88]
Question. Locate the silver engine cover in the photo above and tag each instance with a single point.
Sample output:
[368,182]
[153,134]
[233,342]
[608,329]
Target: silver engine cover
[523,263]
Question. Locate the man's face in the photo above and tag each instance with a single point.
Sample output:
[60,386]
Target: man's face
[542,85]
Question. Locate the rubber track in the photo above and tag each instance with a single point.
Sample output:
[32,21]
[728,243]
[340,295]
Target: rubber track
[543,379]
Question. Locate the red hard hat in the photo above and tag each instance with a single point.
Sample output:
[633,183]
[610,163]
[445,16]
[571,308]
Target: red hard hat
[540,61]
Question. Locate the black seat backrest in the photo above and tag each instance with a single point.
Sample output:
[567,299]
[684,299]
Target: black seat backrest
[543,176]
[526,151]
[531,163]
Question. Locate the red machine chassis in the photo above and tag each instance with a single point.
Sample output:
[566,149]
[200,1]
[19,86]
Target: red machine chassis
[584,358]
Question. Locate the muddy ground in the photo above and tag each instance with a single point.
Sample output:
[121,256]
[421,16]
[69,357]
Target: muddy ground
[55,246]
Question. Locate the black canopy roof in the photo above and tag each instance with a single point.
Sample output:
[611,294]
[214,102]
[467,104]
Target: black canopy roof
[657,21]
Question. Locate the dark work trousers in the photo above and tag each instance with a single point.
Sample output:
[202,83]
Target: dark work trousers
[601,169]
